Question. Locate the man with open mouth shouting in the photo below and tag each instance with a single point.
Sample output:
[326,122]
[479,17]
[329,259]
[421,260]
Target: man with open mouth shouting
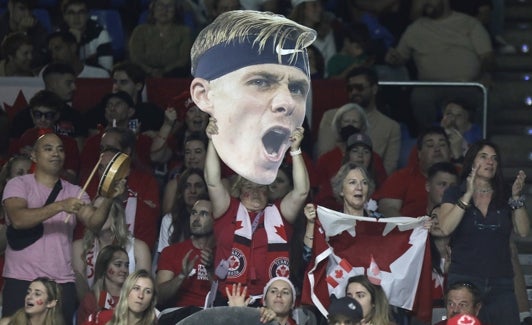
[251,74]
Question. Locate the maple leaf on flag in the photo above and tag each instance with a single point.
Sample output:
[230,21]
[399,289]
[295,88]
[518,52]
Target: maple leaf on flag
[238,225]
[19,104]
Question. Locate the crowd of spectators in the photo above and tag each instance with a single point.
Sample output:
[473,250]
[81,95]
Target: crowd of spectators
[176,206]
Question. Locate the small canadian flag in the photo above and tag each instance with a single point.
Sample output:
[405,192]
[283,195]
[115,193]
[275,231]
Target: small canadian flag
[340,273]
[374,273]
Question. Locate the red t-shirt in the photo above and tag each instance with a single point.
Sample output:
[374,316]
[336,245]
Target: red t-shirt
[194,289]
[407,185]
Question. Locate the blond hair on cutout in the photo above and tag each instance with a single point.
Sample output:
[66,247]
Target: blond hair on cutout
[237,25]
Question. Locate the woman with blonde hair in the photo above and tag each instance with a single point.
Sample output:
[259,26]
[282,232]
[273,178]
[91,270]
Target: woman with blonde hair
[114,232]
[42,305]
[136,304]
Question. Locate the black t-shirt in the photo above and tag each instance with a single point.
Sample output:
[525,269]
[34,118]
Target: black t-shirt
[480,246]
[151,117]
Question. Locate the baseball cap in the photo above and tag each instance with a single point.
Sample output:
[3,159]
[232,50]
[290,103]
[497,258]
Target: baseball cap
[347,307]
[359,138]
[295,3]
[463,320]
[121,95]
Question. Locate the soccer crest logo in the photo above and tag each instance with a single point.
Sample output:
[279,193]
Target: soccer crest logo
[237,263]
[280,267]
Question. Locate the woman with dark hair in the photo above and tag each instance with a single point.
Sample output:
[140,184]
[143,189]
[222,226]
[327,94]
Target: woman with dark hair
[162,45]
[480,215]
[42,305]
[110,273]
[372,298]
[175,226]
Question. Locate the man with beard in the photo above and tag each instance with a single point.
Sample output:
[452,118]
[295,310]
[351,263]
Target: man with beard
[385,133]
[445,46]
[185,268]
[403,193]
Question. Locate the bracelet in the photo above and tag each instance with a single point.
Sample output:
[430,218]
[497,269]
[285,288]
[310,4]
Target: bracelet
[516,203]
[461,204]
[295,152]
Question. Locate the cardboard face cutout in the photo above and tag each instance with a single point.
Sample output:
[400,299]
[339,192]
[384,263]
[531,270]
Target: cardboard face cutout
[257,108]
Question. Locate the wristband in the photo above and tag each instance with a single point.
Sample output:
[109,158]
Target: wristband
[295,152]
[461,204]
[516,203]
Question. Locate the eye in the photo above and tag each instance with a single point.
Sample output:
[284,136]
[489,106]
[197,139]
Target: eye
[297,88]
[260,82]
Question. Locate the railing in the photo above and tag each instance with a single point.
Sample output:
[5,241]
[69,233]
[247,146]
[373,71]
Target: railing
[450,84]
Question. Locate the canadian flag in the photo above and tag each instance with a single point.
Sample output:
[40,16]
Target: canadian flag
[391,251]
[374,273]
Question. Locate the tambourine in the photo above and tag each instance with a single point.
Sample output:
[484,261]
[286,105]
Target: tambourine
[116,170]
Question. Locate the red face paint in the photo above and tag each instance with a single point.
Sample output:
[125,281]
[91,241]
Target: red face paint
[110,271]
[39,302]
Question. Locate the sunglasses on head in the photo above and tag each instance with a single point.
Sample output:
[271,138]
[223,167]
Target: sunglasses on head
[47,115]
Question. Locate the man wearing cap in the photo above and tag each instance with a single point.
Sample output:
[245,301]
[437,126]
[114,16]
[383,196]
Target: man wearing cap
[119,110]
[258,95]
[345,310]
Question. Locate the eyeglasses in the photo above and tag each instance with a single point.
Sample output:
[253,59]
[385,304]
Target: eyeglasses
[357,87]
[47,115]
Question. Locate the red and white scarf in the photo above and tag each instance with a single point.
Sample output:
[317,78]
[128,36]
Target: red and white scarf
[241,268]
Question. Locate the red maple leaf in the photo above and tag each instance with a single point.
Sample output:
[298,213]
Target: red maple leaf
[19,104]
[369,241]
[238,225]
[281,232]
[338,274]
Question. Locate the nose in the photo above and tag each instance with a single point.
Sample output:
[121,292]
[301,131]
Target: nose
[140,294]
[115,87]
[283,102]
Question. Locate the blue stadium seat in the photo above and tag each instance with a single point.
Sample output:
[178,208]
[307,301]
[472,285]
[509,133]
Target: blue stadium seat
[44,18]
[111,21]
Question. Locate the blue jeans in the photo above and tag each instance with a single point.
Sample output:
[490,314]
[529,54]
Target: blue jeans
[499,305]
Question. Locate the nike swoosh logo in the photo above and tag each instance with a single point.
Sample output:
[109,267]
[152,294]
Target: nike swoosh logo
[280,51]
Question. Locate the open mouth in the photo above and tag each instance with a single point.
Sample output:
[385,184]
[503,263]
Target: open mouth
[274,139]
